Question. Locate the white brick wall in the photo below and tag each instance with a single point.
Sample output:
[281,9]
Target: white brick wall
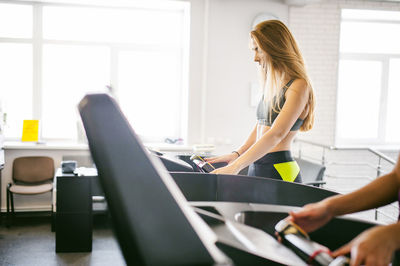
[317,29]
[230,69]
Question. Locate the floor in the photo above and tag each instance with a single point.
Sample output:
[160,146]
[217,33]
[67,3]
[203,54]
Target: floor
[29,241]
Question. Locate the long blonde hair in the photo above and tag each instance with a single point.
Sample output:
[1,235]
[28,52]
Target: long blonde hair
[283,61]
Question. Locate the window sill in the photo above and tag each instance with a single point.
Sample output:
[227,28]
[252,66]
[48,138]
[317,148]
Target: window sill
[165,147]
[19,145]
[53,145]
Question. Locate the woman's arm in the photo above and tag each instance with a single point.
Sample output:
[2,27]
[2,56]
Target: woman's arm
[296,100]
[379,192]
[374,246]
[377,245]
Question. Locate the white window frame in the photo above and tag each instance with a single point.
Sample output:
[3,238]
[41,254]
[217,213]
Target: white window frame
[38,43]
[385,60]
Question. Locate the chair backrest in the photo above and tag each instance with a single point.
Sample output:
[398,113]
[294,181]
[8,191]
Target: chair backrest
[33,169]
[310,171]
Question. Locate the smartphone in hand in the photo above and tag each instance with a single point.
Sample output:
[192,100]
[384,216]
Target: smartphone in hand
[202,165]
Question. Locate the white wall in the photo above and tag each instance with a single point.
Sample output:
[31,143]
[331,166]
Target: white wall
[231,70]
[36,202]
[317,28]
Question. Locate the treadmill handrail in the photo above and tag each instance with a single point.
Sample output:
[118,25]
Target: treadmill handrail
[154,223]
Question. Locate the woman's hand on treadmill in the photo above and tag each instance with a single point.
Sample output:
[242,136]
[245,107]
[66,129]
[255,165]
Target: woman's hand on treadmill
[226,158]
[230,169]
[311,216]
[373,247]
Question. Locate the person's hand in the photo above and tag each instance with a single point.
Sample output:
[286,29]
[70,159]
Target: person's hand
[311,216]
[372,247]
[230,169]
[226,158]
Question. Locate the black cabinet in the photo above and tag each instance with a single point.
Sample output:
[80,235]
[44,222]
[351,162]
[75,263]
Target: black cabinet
[2,162]
[74,214]
[1,169]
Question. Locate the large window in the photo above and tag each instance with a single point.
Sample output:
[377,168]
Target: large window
[53,54]
[369,81]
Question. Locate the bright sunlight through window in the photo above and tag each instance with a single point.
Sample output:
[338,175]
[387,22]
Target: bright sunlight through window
[369,83]
[50,61]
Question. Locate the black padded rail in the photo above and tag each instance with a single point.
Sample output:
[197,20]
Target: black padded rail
[175,165]
[234,188]
[151,227]
[268,191]
[197,186]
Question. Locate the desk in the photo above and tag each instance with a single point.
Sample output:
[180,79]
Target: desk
[72,203]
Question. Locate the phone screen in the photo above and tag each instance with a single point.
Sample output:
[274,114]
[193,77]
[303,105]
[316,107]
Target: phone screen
[202,165]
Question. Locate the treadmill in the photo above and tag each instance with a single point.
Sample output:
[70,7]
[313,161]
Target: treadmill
[200,186]
[156,225]
[173,164]
[197,184]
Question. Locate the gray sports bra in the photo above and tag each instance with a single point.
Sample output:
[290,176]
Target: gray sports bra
[263,110]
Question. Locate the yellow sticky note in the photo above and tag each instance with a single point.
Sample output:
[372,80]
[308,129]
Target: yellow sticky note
[30,130]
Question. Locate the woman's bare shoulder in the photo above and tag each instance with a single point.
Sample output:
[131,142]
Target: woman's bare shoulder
[299,86]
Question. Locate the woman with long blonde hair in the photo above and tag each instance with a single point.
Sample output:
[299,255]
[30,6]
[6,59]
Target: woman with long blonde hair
[286,107]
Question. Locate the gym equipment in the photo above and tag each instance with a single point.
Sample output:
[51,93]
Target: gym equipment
[156,225]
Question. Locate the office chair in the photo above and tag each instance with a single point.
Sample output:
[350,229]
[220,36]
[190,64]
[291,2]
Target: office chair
[311,173]
[30,176]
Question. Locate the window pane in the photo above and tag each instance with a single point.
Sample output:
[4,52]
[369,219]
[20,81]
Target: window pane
[370,37]
[15,21]
[68,73]
[112,25]
[393,121]
[16,85]
[370,14]
[149,91]
[358,99]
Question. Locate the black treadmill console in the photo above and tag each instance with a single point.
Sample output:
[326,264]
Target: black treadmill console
[201,164]
[311,252]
